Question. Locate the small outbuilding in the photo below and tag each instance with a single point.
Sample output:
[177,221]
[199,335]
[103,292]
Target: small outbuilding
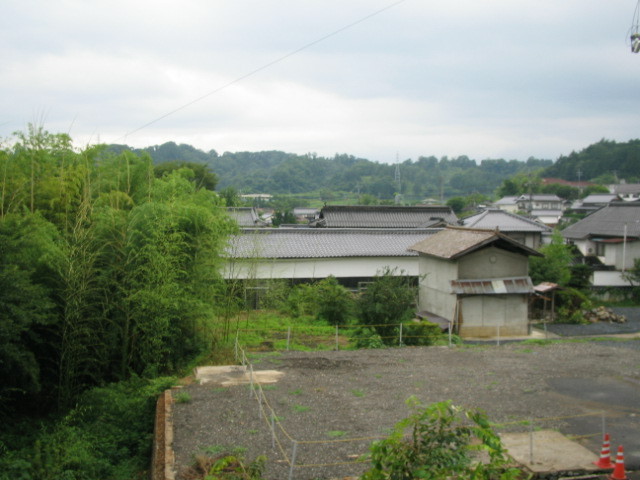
[477,279]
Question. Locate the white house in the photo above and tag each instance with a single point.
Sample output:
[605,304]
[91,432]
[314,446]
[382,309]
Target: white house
[612,235]
[476,279]
[508,204]
[524,230]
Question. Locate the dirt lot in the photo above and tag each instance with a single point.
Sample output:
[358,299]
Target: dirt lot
[334,396]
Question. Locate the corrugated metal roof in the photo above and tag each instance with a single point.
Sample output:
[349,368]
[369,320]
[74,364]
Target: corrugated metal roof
[609,221]
[492,286]
[324,243]
[366,216]
[504,221]
[454,242]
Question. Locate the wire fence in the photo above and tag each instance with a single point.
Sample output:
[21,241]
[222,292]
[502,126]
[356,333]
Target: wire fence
[401,334]
[291,448]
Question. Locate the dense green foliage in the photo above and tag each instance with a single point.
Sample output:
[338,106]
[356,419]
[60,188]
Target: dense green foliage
[606,159]
[555,264]
[106,271]
[440,444]
[278,172]
[107,435]
[388,302]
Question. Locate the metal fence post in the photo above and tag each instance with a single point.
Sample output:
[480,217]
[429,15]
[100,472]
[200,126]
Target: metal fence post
[400,337]
[293,459]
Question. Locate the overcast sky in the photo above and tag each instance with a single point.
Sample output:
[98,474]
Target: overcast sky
[483,78]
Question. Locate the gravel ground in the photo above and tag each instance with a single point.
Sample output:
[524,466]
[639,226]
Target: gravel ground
[632,325]
[333,396]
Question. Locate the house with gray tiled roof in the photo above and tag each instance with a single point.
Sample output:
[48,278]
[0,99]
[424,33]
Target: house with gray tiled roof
[524,230]
[508,203]
[246,217]
[612,235]
[545,207]
[477,279]
[351,255]
[391,216]
[628,192]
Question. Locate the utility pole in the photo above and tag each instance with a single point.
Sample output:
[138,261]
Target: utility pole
[398,181]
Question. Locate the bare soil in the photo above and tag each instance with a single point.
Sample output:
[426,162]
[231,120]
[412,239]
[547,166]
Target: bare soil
[327,398]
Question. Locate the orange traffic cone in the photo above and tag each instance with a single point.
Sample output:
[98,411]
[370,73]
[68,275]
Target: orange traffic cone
[618,471]
[605,454]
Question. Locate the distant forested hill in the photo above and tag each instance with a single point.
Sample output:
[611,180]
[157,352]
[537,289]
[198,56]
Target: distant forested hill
[606,159]
[284,173]
[278,172]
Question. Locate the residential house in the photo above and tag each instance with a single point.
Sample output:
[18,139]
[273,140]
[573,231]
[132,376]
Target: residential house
[508,204]
[611,235]
[305,214]
[524,230]
[628,192]
[246,217]
[593,202]
[392,216]
[476,279]
[545,207]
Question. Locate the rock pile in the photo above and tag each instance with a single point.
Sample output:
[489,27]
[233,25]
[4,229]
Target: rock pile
[604,314]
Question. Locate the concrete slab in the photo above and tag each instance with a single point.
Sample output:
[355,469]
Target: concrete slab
[228,375]
[548,451]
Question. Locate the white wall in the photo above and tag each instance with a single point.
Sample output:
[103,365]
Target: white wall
[435,286]
[318,267]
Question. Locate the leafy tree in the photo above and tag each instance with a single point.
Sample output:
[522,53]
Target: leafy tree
[457,204]
[555,265]
[388,301]
[334,302]
[201,175]
[444,441]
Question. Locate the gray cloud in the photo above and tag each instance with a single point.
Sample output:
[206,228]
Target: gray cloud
[495,78]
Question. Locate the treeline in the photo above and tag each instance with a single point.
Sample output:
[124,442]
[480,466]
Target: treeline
[108,269]
[278,172]
[605,162]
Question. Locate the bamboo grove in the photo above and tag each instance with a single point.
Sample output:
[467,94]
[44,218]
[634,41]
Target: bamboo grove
[106,271]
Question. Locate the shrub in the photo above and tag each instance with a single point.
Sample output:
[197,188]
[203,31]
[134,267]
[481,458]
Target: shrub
[387,302]
[420,333]
[334,303]
[443,443]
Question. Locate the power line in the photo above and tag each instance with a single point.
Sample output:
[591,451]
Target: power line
[263,67]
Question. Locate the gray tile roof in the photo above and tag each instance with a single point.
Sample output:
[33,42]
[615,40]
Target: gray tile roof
[246,216]
[609,221]
[504,221]
[508,200]
[366,216]
[599,198]
[626,188]
[540,197]
[324,243]
[454,242]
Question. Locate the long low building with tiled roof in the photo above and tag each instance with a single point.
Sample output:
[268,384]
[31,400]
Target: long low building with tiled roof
[313,253]
[389,216]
